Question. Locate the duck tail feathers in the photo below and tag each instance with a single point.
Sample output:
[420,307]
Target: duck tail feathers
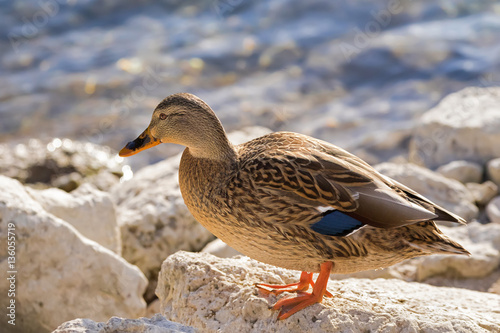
[431,240]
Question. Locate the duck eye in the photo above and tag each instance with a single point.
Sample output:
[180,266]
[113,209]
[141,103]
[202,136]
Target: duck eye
[163,116]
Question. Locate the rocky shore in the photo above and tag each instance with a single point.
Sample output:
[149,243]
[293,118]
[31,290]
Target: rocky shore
[96,243]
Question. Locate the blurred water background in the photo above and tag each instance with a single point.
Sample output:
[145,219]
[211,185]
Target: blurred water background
[355,73]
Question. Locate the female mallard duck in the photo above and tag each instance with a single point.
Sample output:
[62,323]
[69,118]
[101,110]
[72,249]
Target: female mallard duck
[293,201]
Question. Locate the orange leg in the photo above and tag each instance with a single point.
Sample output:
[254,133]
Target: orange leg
[289,306]
[302,285]
[327,293]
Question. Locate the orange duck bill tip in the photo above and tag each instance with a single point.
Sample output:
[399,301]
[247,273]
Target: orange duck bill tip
[143,142]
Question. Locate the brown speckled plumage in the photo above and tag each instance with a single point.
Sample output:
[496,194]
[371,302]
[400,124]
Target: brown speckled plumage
[263,196]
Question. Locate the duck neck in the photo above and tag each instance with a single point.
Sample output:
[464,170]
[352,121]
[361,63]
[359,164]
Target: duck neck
[199,168]
[214,148]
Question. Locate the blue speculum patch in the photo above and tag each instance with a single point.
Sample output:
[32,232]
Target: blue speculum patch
[336,223]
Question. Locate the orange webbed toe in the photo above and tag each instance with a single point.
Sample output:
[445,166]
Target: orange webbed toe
[289,306]
[276,289]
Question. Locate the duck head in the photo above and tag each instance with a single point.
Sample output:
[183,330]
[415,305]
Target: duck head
[186,120]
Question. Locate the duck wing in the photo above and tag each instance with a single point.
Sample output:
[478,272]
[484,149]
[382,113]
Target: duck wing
[418,199]
[344,189]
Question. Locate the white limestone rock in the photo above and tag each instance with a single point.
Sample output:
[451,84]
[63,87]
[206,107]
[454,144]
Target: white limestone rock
[493,210]
[463,171]
[61,275]
[153,218]
[89,210]
[218,295]
[493,170]
[464,126]
[153,308]
[61,163]
[482,193]
[449,193]
[157,324]
[495,288]
[220,249]
[154,221]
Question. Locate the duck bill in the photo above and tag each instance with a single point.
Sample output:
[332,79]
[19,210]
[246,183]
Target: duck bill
[143,142]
